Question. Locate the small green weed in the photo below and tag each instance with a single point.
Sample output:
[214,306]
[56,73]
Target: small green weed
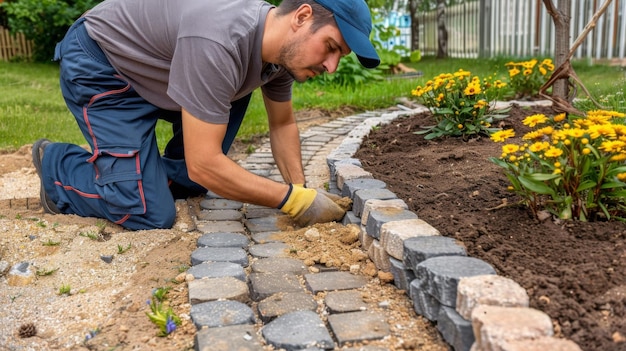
[50,242]
[65,289]
[121,249]
[45,272]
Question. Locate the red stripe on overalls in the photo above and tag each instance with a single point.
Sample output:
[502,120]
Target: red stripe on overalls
[96,149]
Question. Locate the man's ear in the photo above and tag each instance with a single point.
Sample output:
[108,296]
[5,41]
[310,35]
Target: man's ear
[303,14]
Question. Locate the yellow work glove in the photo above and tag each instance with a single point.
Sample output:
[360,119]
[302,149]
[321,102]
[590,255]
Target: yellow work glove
[307,206]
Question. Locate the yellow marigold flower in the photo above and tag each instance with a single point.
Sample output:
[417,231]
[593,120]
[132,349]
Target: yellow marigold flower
[513,72]
[461,73]
[543,71]
[509,148]
[499,84]
[598,119]
[440,97]
[605,113]
[546,61]
[553,152]
[584,141]
[533,120]
[575,133]
[621,177]
[586,151]
[460,126]
[502,135]
[612,146]
[472,89]
[419,91]
[529,64]
[539,146]
[605,130]
[480,104]
[546,130]
[438,83]
[512,158]
[528,72]
[556,171]
[560,117]
[557,164]
[618,158]
[532,135]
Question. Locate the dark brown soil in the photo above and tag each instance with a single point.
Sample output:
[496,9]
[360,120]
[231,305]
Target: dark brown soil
[573,271]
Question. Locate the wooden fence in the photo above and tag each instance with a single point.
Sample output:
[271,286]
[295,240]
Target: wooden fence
[14,46]
[522,28]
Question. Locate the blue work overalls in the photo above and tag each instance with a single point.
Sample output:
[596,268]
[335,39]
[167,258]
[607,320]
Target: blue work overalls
[124,179]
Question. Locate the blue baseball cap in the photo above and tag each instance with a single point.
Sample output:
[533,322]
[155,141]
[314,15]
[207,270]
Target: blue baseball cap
[355,24]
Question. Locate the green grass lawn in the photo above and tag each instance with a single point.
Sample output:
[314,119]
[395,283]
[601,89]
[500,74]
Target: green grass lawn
[31,105]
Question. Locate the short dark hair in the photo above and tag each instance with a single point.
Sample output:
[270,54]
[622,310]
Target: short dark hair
[321,15]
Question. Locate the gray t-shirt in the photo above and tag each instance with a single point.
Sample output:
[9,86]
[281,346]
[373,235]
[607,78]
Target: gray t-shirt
[198,54]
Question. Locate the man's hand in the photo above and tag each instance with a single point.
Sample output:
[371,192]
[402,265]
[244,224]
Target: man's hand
[308,206]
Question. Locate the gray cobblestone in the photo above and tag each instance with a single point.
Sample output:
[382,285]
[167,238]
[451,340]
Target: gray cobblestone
[298,330]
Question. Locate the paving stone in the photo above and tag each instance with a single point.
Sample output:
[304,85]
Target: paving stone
[221,227]
[361,196]
[220,215]
[264,285]
[223,240]
[220,204]
[455,330]
[218,269]
[377,218]
[285,302]
[269,250]
[279,264]
[375,204]
[344,172]
[220,314]
[229,288]
[297,330]
[420,248]
[494,326]
[441,275]
[424,304]
[350,218]
[263,224]
[358,326]
[491,290]
[393,234]
[266,237]
[379,256]
[219,254]
[258,212]
[543,343]
[344,301]
[332,165]
[365,239]
[402,275]
[236,337]
[328,281]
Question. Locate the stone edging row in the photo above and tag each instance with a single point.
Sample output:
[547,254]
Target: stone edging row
[473,307]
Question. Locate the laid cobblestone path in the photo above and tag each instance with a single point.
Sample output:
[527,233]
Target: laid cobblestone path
[238,262]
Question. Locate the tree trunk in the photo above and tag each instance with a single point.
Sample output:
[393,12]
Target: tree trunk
[415,25]
[442,32]
[562,43]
